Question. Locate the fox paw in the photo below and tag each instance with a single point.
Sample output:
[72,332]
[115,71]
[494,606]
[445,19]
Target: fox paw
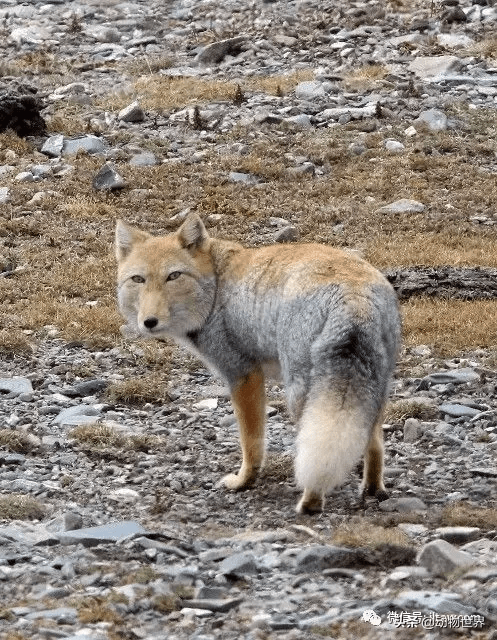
[310,503]
[235,481]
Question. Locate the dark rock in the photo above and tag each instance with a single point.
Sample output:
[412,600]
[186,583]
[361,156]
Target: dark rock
[20,109]
[214,53]
[108,179]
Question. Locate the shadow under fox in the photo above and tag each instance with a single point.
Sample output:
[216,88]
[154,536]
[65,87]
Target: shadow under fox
[324,321]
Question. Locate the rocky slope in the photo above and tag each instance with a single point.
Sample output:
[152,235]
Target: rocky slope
[120,530]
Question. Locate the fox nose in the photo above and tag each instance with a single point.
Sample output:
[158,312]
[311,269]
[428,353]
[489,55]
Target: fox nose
[150,323]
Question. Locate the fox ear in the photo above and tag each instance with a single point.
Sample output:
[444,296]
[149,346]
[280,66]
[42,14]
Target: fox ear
[192,234]
[126,237]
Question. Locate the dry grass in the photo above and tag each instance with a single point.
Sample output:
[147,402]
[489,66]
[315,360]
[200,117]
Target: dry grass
[403,409]
[15,441]
[161,93]
[433,249]
[151,387]
[20,507]
[464,515]
[486,48]
[103,436]
[361,533]
[64,245]
[365,78]
[97,609]
[450,326]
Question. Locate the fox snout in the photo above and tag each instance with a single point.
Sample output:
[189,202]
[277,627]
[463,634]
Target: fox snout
[151,322]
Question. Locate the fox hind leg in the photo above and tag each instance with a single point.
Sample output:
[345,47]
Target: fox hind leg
[249,400]
[372,483]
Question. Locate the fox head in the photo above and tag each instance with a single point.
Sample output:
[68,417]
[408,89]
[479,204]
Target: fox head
[166,285]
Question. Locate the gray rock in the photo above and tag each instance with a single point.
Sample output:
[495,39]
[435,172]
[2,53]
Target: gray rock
[319,557]
[488,472]
[287,234]
[215,52]
[454,40]
[403,505]
[403,206]
[15,386]
[52,147]
[458,410]
[458,535]
[79,414]
[221,605]
[4,195]
[62,615]
[433,67]
[90,387]
[132,113]
[107,533]
[244,178]
[108,179]
[441,602]
[394,146]
[302,121]
[238,564]
[90,144]
[460,376]
[412,430]
[440,558]
[145,159]
[310,90]
[434,119]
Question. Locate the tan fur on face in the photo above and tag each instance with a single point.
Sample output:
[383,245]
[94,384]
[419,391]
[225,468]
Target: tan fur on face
[180,305]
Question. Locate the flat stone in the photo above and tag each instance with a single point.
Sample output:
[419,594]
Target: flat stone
[90,387]
[310,90]
[244,178]
[103,534]
[403,505]
[145,159]
[287,234]
[79,414]
[222,605]
[458,535]
[15,386]
[215,52]
[412,430]
[238,564]
[432,67]
[442,602]
[458,410]
[62,615]
[440,558]
[488,472]
[90,144]
[403,206]
[208,404]
[434,119]
[319,557]
[461,376]
[454,40]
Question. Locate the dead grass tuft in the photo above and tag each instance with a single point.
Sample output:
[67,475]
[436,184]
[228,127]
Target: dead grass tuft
[98,436]
[361,533]
[143,575]
[151,387]
[14,341]
[365,78]
[11,141]
[104,436]
[15,441]
[464,515]
[167,603]
[20,507]
[486,48]
[97,609]
[450,326]
[278,467]
[402,409]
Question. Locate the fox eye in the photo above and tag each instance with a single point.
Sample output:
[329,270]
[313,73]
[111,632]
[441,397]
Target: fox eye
[173,275]
[138,279]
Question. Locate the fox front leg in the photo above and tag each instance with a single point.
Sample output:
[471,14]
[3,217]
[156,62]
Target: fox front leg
[249,402]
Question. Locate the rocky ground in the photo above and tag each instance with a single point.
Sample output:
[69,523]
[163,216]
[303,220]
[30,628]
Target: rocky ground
[112,522]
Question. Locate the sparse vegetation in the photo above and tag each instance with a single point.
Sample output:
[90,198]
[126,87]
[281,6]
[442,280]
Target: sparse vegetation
[151,387]
[402,409]
[20,507]
[15,441]
[466,515]
[361,533]
[103,436]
